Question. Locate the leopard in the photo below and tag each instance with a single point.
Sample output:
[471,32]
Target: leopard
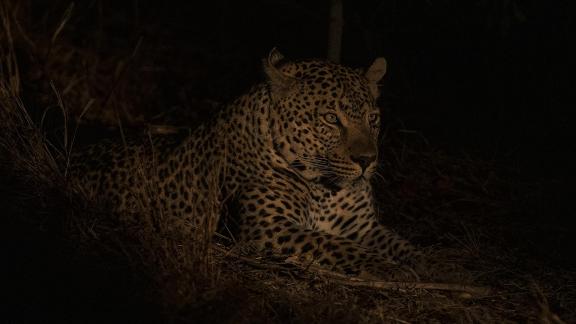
[294,155]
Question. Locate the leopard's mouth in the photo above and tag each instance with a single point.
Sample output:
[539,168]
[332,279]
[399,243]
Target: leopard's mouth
[303,170]
[342,175]
[338,173]
[345,171]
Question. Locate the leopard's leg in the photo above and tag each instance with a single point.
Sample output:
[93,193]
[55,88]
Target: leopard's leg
[278,226]
[352,215]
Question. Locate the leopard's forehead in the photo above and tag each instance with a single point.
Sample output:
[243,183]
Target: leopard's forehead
[335,86]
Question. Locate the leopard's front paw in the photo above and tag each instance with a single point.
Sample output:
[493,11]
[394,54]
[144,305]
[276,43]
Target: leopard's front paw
[380,269]
[430,267]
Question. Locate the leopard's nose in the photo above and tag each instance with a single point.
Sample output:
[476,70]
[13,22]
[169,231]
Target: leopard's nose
[363,160]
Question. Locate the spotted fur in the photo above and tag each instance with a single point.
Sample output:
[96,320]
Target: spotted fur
[294,155]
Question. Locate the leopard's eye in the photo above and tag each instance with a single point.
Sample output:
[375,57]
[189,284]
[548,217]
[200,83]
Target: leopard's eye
[331,118]
[374,118]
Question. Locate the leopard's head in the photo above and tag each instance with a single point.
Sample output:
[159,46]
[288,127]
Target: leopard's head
[324,119]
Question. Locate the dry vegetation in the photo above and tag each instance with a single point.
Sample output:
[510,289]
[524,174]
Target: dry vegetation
[74,261]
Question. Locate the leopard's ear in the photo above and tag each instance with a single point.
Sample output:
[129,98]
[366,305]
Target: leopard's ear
[281,83]
[374,74]
[275,57]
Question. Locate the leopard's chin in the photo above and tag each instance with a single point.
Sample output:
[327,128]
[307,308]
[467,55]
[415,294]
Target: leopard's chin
[330,183]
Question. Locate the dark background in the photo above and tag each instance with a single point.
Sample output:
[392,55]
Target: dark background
[491,79]
[487,80]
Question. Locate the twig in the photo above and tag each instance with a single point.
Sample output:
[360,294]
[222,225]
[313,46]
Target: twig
[361,282]
[395,285]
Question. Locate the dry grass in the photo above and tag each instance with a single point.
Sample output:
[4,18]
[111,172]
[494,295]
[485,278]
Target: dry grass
[148,267]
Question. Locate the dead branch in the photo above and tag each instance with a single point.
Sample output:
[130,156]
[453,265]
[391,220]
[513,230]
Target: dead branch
[465,290]
[468,291]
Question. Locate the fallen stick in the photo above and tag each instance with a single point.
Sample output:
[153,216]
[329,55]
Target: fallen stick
[465,290]
[397,285]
